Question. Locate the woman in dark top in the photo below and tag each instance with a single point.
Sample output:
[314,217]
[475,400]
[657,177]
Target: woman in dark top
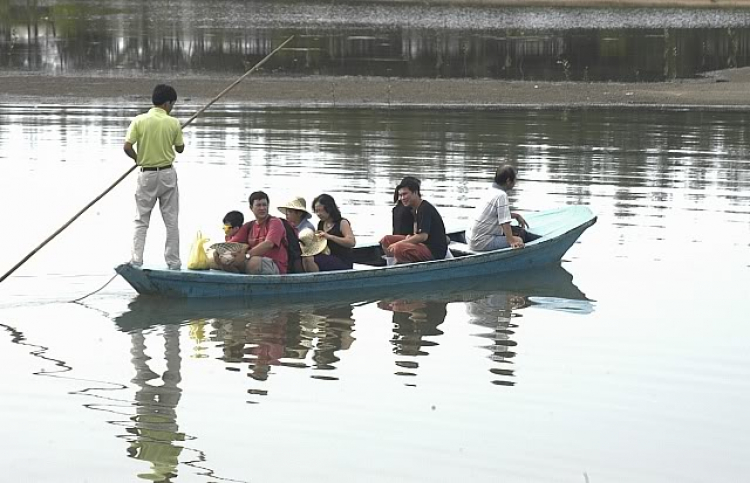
[403,216]
[337,231]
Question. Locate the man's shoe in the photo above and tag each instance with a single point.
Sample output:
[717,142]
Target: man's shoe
[135,264]
[174,267]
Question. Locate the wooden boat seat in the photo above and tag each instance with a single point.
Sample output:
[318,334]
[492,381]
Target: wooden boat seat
[461,249]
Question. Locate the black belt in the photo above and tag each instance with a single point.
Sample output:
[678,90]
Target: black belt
[159,168]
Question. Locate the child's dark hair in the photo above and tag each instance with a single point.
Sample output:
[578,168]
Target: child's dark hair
[327,202]
[235,219]
[162,94]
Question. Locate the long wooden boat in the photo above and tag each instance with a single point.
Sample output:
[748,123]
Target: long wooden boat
[557,231]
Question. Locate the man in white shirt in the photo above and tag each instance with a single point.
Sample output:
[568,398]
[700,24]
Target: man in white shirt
[490,229]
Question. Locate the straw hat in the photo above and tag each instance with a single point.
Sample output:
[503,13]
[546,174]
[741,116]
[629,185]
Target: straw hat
[298,204]
[311,244]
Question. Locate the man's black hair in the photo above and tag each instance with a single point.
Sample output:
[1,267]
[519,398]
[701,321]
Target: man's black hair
[235,219]
[410,184]
[257,195]
[406,178]
[163,93]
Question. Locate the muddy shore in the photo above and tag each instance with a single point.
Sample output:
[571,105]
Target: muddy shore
[723,89]
[573,3]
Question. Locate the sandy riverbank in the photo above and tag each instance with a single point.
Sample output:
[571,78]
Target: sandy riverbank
[728,88]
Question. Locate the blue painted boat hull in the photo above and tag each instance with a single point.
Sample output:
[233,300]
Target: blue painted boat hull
[558,230]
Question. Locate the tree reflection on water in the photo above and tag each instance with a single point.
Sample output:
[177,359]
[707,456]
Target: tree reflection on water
[94,38]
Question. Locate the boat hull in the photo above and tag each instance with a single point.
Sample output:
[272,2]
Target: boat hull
[558,235]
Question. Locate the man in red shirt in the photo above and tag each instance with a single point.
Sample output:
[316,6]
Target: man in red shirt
[267,239]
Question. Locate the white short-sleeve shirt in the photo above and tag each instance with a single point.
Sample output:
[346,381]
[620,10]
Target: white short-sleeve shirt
[492,211]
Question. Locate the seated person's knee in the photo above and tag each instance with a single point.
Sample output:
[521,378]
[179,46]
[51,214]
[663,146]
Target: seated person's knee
[253,265]
[400,252]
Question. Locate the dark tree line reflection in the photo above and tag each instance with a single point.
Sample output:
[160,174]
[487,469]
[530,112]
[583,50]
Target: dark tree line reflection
[574,151]
[76,38]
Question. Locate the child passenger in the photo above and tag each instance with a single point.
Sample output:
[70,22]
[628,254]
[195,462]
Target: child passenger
[235,231]
[233,221]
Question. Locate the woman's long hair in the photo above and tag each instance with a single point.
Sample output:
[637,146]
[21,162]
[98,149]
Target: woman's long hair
[327,202]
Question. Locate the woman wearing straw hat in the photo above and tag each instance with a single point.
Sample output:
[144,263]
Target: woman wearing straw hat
[295,212]
[337,232]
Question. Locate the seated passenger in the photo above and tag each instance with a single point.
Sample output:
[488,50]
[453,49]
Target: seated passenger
[266,237]
[428,240]
[295,212]
[490,229]
[233,232]
[233,221]
[338,233]
[403,217]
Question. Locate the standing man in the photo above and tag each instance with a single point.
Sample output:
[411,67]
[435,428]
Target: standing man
[157,137]
[267,239]
[428,241]
[490,229]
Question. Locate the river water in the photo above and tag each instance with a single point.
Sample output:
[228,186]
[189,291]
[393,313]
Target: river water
[628,362]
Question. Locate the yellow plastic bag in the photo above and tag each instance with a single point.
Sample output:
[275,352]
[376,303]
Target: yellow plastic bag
[198,259]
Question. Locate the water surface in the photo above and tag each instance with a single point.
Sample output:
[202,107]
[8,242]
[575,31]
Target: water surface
[635,346]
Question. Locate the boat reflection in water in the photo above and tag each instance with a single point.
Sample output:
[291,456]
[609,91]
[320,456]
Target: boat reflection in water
[264,340]
[310,335]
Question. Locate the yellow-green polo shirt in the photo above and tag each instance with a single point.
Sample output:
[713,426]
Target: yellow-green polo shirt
[154,134]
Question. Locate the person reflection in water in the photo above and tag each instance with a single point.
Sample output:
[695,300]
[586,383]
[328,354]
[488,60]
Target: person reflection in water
[261,341]
[156,430]
[415,324]
[334,327]
[495,312]
[268,344]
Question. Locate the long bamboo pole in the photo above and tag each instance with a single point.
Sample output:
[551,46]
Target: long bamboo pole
[124,175]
